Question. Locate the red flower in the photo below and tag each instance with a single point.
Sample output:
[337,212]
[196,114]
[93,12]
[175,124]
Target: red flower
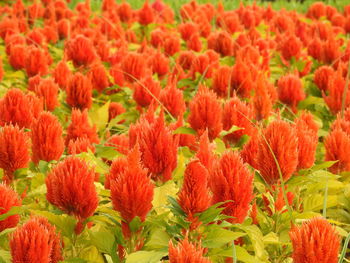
[48,90]
[334,98]
[222,43]
[36,103]
[172,45]
[36,62]
[134,66]
[146,90]
[186,252]
[146,14]
[205,152]
[80,145]
[185,59]
[81,51]
[222,81]
[14,145]
[9,199]
[337,144]
[159,64]
[280,138]
[307,141]
[195,43]
[62,74]
[241,78]
[70,187]
[120,142]
[132,190]
[118,167]
[172,99]
[315,241]
[47,140]
[194,195]
[125,12]
[158,148]
[79,92]
[205,101]
[237,113]
[36,241]
[63,28]
[290,90]
[1,70]
[202,65]
[98,77]
[118,75]
[232,180]
[323,76]
[250,150]
[80,127]
[187,30]
[15,109]
[316,10]
[291,47]
[17,56]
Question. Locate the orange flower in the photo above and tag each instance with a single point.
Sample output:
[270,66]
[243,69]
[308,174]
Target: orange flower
[316,10]
[172,99]
[36,62]
[36,104]
[81,51]
[70,187]
[63,28]
[98,77]
[241,78]
[205,152]
[290,90]
[307,140]
[117,74]
[195,43]
[222,81]
[337,144]
[281,137]
[14,145]
[9,199]
[146,90]
[134,66]
[172,45]
[250,150]
[240,114]
[146,14]
[36,241]
[186,252]
[194,195]
[222,43]
[315,241]
[80,145]
[187,30]
[232,180]
[118,167]
[185,59]
[17,56]
[158,149]
[291,47]
[125,12]
[265,97]
[62,74]
[114,110]
[132,190]
[80,127]
[205,101]
[159,64]
[323,76]
[79,92]
[48,91]
[47,140]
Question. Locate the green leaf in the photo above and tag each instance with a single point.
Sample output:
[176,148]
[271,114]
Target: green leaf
[231,130]
[135,224]
[323,165]
[99,116]
[220,146]
[175,207]
[217,237]
[15,210]
[185,130]
[5,256]
[91,254]
[107,152]
[211,213]
[159,239]
[146,257]
[160,197]
[102,239]
[21,173]
[75,260]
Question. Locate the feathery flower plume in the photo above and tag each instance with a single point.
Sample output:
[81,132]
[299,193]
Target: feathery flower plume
[79,92]
[9,199]
[36,241]
[47,139]
[81,51]
[186,252]
[80,127]
[290,90]
[146,90]
[36,62]
[70,187]
[232,180]
[14,145]
[205,101]
[172,99]
[315,241]
[98,77]
[205,152]
[322,77]
[134,66]
[194,195]
[48,91]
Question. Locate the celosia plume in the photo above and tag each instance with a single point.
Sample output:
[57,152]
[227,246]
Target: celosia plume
[9,199]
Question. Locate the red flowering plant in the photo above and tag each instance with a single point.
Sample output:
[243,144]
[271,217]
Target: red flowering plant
[161,131]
